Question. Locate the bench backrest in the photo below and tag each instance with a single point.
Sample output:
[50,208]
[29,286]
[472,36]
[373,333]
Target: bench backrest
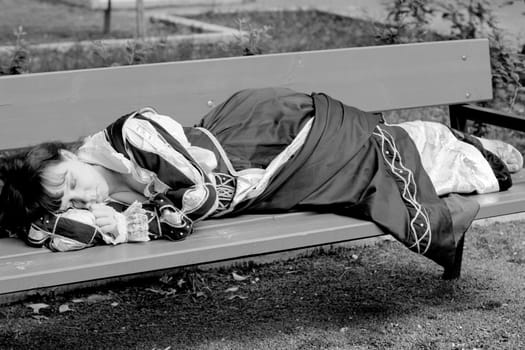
[69,105]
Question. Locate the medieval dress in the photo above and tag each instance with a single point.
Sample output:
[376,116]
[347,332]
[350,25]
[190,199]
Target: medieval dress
[277,150]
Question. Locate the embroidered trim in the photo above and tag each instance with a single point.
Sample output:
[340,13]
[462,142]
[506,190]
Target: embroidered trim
[225,186]
[420,229]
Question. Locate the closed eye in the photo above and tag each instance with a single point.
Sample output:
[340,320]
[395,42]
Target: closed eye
[78,204]
[72,182]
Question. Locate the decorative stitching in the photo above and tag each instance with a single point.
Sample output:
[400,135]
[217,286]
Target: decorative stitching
[225,187]
[420,220]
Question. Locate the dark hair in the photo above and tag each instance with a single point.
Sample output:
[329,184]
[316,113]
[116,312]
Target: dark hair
[22,195]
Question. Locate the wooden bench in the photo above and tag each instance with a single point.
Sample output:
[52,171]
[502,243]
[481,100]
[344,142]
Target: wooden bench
[72,104]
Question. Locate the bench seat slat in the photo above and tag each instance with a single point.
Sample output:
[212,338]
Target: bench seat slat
[278,233]
[23,268]
[502,203]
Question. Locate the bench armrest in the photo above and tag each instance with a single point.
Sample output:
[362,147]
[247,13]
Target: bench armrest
[459,114]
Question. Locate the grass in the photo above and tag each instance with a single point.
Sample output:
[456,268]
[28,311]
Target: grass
[375,297]
[56,21]
[269,32]
[289,31]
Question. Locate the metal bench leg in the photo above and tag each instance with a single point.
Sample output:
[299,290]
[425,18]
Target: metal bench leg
[457,118]
[454,271]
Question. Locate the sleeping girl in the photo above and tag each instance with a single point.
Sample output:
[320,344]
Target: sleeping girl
[263,150]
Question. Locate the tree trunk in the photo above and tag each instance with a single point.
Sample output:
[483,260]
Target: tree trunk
[107,18]
[140,19]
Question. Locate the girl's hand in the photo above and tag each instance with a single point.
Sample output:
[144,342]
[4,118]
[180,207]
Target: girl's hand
[105,218]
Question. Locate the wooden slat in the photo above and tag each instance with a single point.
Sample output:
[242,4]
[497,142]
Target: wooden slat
[226,240]
[70,105]
[23,268]
[503,203]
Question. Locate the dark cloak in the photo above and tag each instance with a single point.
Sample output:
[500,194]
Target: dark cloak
[351,164]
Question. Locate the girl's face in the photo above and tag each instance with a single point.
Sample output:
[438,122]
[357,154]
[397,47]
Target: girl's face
[82,184]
